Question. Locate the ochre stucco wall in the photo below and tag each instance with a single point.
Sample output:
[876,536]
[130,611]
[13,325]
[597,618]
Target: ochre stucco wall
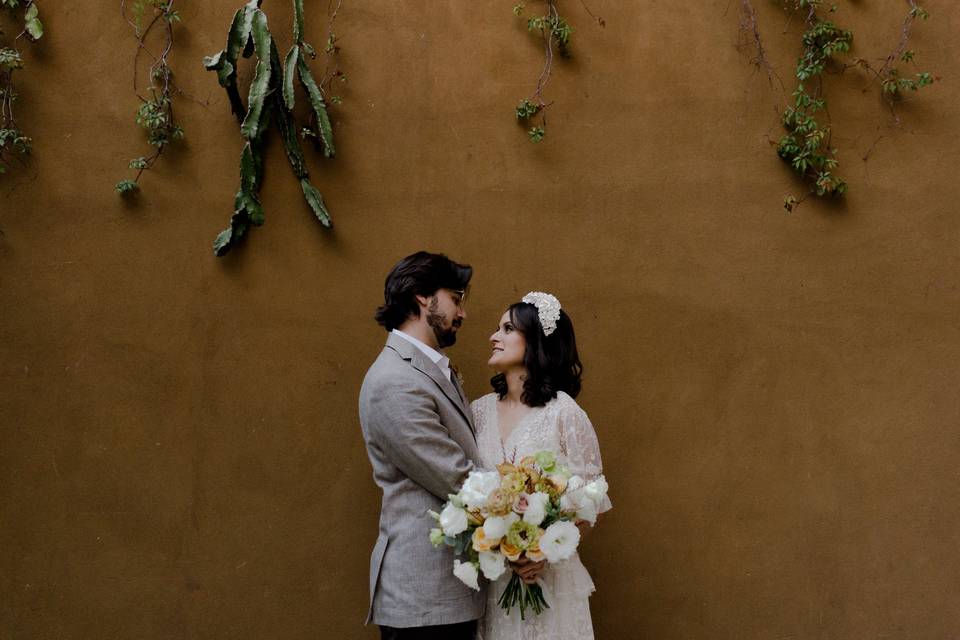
[775,394]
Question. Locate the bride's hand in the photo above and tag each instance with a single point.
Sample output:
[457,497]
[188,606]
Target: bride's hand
[528,570]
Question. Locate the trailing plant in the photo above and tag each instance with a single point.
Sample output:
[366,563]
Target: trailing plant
[893,81]
[272,98]
[13,141]
[806,145]
[155,113]
[554,31]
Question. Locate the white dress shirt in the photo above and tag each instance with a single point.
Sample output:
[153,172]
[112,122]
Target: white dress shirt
[442,361]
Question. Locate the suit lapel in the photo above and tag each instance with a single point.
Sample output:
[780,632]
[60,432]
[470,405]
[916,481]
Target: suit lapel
[422,363]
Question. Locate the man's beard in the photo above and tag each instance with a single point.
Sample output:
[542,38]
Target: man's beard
[445,337]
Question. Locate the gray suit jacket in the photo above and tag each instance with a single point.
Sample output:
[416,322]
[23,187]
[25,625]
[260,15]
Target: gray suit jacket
[420,439]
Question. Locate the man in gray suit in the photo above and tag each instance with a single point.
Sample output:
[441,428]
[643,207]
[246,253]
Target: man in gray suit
[420,438]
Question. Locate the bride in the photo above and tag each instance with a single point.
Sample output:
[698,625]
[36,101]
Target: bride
[532,409]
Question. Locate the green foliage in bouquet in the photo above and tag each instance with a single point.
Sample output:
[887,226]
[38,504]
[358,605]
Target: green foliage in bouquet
[271,99]
[555,32]
[14,143]
[155,113]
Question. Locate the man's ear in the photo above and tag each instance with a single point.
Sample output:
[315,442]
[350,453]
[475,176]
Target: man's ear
[423,301]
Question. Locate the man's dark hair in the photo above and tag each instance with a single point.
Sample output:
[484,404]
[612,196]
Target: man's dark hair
[420,274]
[552,362]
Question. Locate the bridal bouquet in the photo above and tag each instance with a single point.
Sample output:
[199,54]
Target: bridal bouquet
[528,510]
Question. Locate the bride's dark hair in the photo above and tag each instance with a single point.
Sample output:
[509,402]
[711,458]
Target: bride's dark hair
[552,361]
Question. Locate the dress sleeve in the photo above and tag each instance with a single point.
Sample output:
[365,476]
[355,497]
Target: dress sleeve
[579,445]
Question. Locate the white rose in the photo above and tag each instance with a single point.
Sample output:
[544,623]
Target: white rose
[495,527]
[478,487]
[587,511]
[467,573]
[575,483]
[536,508]
[597,490]
[559,541]
[453,520]
[492,564]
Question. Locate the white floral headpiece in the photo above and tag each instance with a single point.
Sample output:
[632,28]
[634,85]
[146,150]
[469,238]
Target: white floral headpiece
[548,309]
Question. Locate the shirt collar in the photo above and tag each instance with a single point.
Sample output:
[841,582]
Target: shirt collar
[435,356]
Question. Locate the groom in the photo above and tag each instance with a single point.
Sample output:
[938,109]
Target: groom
[420,439]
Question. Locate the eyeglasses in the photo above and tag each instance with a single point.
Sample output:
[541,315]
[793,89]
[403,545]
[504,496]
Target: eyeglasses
[460,297]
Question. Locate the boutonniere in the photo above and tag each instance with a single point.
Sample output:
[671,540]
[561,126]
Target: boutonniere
[457,375]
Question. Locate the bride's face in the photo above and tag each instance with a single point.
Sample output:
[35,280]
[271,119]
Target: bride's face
[507,346]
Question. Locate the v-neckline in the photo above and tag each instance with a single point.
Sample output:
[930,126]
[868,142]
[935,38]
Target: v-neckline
[496,423]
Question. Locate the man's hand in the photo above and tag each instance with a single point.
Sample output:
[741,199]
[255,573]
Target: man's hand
[528,570]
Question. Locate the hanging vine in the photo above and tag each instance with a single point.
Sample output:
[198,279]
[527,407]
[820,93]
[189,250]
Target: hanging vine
[892,80]
[272,97]
[554,31]
[806,145]
[14,143]
[155,113]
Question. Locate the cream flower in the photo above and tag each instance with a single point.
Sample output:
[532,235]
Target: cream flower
[453,520]
[597,490]
[536,508]
[492,564]
[495,527]
[467,573]
[587,510]
[478,487]
[559,541]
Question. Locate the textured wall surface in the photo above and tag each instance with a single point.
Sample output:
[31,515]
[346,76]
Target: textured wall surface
[775,394]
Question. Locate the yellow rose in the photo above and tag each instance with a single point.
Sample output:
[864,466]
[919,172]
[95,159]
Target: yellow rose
[480,541]
[500,503]
[558,482]
[511,552]
[506,469]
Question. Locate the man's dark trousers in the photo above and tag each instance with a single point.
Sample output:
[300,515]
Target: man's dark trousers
[460,631]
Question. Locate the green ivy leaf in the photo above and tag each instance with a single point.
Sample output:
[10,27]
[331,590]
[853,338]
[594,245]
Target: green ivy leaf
[32,22]
[126,187]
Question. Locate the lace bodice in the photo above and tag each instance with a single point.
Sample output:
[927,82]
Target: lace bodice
[563,427]
[560,426]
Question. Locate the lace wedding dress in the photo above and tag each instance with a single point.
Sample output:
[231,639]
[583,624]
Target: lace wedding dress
[560,426]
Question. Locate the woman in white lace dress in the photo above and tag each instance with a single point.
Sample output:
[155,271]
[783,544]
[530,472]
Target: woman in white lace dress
[532,409]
